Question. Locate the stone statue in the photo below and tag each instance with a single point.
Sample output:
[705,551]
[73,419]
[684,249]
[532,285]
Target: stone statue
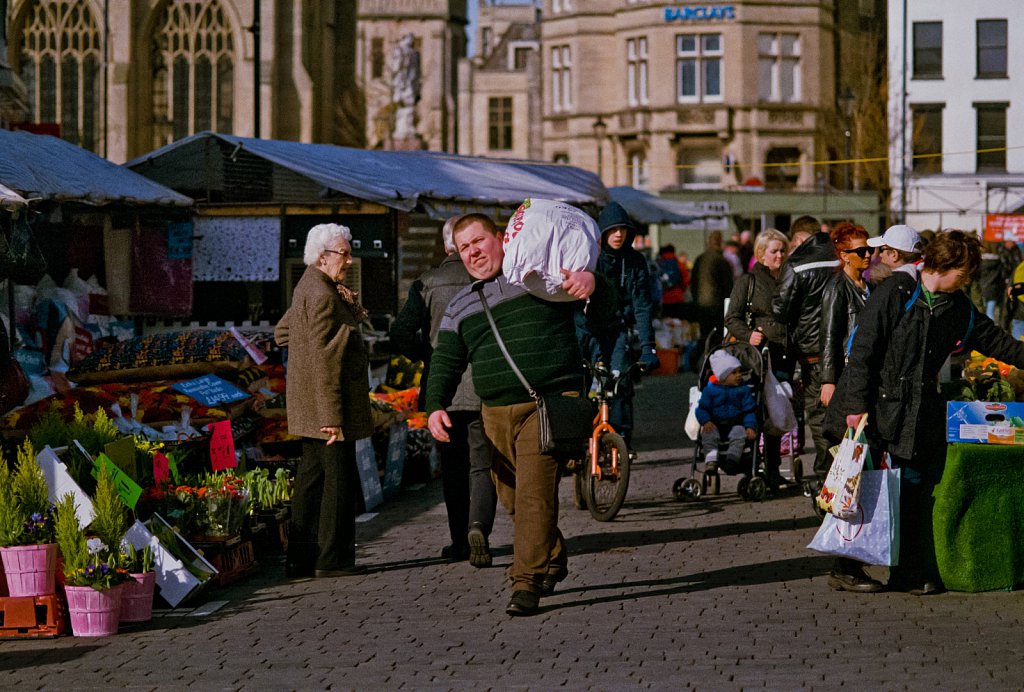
[405,87]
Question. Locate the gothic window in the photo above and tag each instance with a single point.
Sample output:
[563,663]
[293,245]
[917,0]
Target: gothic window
[59,61]
[193,71]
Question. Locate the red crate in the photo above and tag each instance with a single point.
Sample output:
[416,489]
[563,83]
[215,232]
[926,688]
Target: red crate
[31,617]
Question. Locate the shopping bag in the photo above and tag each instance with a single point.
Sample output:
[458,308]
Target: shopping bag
[692,426]
[841,489]
[873,534]
[777,398]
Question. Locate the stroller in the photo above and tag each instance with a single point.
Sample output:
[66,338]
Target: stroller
[753,484]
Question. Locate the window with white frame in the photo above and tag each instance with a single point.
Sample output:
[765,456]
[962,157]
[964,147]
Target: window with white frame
[561,79]
[699,68]
[59,61]
[192,71]
[779,67]
[639,169]
[636,70]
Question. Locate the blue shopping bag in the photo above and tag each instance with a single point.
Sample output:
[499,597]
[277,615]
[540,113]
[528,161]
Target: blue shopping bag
[872,535]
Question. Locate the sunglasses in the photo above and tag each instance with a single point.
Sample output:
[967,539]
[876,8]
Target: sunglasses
[862,252]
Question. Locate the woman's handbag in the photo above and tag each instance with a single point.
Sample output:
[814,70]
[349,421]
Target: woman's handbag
[565,421]
[872,535]
[840,493]
[777,398]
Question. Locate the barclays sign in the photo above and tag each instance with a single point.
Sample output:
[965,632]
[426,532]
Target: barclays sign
[700,13]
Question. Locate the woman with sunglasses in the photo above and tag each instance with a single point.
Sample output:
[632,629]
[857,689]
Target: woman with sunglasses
[841,301]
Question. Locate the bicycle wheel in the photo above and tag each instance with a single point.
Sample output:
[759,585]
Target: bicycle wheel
[605,496]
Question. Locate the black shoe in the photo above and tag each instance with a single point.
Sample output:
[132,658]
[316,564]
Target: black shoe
[455,553]
[294,571]
[479,550]
[548,584]
[857,583]
[523,603]
[927,588]
[348,571]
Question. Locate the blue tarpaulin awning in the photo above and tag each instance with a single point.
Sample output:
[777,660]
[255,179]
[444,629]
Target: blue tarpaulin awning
[647,208]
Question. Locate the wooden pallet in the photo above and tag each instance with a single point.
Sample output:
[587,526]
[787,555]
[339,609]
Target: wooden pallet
[31,617]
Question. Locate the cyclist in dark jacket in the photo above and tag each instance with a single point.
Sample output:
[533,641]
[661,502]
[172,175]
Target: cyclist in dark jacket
[626,269]
[907,330]
[798,306]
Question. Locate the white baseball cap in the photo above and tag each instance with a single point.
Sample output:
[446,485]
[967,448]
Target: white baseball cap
[898,237]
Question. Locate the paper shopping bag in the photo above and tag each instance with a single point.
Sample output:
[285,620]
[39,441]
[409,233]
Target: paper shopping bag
[873,534]
[841,488]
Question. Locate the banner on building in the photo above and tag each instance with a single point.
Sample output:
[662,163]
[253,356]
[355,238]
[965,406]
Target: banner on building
[1000,227]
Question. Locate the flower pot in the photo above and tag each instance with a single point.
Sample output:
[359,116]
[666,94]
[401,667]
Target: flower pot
[137,598]
[94,613]
[30,570]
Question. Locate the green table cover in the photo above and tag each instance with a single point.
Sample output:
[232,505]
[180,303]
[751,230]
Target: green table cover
[979,518]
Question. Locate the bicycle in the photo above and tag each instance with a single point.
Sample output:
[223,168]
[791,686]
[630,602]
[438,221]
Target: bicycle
[602,478]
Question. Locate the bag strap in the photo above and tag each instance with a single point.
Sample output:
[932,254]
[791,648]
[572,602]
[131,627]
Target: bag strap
[748,315]
[501,345]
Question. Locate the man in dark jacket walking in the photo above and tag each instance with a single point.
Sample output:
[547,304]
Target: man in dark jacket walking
[626,270]
[711,283]
[469,493]
[798,306]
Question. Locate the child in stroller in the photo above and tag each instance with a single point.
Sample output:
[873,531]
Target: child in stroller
[730,409]
[726,406]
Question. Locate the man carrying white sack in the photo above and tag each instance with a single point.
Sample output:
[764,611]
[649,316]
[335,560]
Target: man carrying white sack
[541,339]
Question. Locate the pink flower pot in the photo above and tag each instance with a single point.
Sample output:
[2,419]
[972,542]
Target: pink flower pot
[137,598]
[30,570]
[94,613]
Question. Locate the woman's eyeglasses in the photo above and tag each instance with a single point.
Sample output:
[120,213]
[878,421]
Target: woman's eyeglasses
[343,253]
[862,252]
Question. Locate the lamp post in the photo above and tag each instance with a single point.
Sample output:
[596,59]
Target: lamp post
[846,102]
[600,130]
[255,29]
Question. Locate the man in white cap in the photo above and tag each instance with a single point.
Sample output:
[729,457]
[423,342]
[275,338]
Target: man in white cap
[726,407]
[899,249]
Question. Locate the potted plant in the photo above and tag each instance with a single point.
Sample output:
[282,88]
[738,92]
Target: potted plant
[93,574]
[137,595]
[26,527]
[269,504]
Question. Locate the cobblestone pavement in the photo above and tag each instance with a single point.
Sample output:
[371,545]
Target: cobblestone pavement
[714,594]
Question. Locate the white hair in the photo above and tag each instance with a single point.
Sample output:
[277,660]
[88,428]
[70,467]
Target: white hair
[319,237]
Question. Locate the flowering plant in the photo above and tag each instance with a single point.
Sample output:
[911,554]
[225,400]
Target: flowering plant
[25,511]
[98,574]
[213,508]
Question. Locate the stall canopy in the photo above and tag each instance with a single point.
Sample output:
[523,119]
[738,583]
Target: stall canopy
[9,199]
[437,183]
[40,167]
[647,208]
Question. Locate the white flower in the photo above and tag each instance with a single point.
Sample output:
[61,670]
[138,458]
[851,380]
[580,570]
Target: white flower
[96,546]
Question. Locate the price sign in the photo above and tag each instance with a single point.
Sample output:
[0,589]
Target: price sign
[210,390]
[222,446]
[161,468]
[128,489]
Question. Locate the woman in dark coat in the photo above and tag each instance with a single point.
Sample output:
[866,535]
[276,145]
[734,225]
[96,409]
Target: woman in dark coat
[750,319]
[328,406]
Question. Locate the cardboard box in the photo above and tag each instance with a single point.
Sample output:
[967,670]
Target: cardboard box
[174,578]
[985,422]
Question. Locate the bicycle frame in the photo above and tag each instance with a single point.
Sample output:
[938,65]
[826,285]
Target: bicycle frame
[605,393]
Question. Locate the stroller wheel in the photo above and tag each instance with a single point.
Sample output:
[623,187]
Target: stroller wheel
[741,487]
[798,469]
[757,489]
[687,489]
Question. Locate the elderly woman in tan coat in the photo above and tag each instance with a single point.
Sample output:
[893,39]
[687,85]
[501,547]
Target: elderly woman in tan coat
[328,406]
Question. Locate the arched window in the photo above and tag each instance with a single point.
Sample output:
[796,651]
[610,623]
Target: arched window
[59,60]
[193,71]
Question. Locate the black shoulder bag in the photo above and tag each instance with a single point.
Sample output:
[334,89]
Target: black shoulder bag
[565,421]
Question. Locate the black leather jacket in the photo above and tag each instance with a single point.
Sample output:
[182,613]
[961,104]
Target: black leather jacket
[798,304]
[841,302]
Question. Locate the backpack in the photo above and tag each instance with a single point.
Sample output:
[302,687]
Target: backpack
[670,274]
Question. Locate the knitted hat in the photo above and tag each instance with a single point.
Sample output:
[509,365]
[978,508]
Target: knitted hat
[723,364]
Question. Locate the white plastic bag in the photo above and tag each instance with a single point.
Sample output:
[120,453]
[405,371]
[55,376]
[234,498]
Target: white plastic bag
[777,399]
[840,492]
[872,535]
[692,427]
[542,238]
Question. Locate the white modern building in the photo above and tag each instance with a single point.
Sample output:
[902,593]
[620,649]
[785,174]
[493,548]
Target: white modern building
[957,108]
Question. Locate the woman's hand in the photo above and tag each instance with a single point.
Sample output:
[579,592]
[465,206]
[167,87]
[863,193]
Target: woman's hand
[333,433]
[438,424]
[853,420]
[578,284]
[827,390]
[756,337]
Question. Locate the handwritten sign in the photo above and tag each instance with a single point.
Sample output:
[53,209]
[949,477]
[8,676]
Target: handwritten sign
[369,477]
[179,240]
[210,390]
[122,452]
[222,446]
[128,489]
[161,468]
[395,464]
